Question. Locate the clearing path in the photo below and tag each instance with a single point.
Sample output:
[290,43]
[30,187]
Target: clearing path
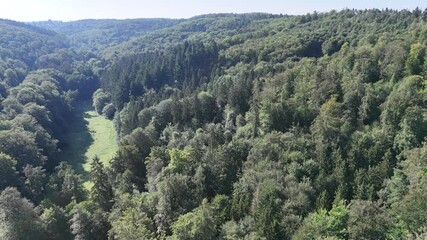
[90,135]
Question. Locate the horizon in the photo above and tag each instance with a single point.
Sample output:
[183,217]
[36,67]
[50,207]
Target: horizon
[74,10]
[203,14]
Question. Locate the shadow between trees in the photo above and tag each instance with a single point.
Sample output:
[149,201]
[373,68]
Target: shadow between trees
[78,139]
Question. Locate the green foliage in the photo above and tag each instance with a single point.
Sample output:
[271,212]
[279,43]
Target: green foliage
[178,194]
[275,121]
[198,224]
[81,224]
[18,217]
[65,185]
[7,171]
[101,192]
[20,144]
[89,222]
[35,181]
[324,224]
[108,111]
[267,212]
[100,100]
[179,159]
[128,163]
[132,217]
[244,229]
[25,43]
[56,220]
[132,225]
[415,61]
[408,208]
[96,35]
[367,220]
[406,94]
[326,127]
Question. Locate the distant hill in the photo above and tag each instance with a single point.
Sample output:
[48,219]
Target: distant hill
[92,34]
[25,43]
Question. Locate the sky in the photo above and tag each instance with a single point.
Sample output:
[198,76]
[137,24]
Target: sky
[67,10]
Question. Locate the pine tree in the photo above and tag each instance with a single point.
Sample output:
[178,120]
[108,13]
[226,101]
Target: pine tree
[101,192]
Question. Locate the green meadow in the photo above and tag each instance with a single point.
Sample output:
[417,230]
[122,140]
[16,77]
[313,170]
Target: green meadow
[90,135]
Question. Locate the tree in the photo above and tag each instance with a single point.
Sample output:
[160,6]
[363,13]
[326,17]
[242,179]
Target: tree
[406,94]
[242,200]
[132,225]
[65,185]
[159,157]
[89,222]
[101,192]
[178,194]
[367,220]
[413,129]
[132,217]
[18,217]
[415,60]
[207,107]
[199,224]
[410,212]
[326,126]
[410,208]
[142,139]
[21,145]
[7,171]
[268,211]
[243,229]
[128,160]
[41,113]
[81,224]
[108,111]
[324,224]
[56,221]
[180,161]
[100,100]
[220,206]
[35,182]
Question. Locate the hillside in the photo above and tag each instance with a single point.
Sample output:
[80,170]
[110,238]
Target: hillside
[96,35]
[283,121]
[229,126]
[21,46]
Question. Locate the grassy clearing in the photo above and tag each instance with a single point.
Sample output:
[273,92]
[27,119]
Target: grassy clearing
[90,135]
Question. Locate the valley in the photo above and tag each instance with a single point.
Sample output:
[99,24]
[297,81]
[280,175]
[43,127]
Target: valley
[89,135]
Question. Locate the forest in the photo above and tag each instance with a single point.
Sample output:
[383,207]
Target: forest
[229,127]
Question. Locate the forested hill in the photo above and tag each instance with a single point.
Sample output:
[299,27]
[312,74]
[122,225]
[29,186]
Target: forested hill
[96,35]
[231,126]
[24,43]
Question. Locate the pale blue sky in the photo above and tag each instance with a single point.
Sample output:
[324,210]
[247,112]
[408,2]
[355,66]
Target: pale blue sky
[35,10]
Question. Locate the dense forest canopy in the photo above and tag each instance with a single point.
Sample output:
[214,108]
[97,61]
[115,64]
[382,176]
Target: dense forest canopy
[230,126]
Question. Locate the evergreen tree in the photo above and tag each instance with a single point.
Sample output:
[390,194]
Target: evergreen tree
[101,192]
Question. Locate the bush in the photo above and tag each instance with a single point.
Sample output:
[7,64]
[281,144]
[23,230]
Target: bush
[108,111]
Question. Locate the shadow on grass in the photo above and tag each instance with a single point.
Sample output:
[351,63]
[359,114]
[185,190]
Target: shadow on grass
[78,140]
